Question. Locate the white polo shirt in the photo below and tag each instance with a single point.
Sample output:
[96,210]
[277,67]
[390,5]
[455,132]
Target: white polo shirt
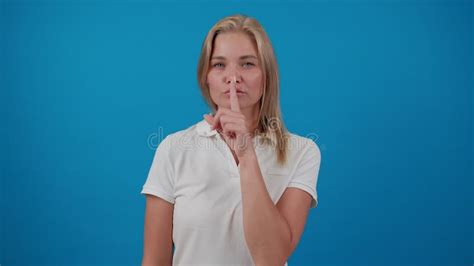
[195,170]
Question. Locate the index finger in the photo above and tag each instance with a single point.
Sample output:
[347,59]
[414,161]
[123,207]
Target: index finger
[234,100]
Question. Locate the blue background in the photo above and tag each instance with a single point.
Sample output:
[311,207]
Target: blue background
[383,87]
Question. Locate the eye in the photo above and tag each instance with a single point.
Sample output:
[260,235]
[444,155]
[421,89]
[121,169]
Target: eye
[217,65]
[248,64]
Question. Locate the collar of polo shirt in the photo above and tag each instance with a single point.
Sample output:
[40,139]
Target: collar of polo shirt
[204,129]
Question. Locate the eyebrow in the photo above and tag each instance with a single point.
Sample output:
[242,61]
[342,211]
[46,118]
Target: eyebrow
[241,58]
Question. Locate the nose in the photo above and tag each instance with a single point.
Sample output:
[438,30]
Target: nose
[233,75]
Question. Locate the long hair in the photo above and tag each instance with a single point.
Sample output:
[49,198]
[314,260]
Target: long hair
[270,122]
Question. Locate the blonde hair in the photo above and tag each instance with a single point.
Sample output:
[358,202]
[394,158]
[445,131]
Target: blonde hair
[269,119]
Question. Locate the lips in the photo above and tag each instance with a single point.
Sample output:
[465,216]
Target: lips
[237,91]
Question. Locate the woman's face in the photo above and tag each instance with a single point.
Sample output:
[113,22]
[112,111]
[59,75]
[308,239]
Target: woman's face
[235,55]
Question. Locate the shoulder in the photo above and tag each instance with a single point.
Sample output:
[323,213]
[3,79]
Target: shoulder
[301,146]
[180,138]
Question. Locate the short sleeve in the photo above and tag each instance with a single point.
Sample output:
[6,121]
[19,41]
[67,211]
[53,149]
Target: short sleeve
[307,172]
[160,180]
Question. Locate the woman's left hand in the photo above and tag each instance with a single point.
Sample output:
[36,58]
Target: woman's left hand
[232,124]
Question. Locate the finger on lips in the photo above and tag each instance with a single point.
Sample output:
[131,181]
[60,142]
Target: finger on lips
[224,116]
[234,100]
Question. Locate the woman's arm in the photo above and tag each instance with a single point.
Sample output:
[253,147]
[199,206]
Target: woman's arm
[267,233]
[158,232]
[271,232]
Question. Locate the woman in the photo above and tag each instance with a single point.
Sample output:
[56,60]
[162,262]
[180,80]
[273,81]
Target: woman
[236,187]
